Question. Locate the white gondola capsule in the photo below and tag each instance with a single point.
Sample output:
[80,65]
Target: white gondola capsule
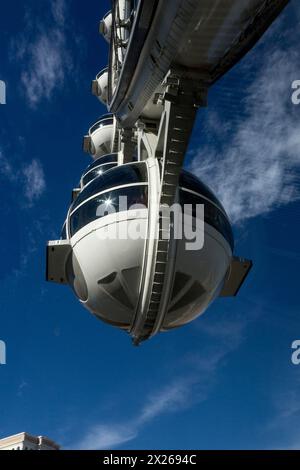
[99,140]
[110,246]
[100,86]
[105,26]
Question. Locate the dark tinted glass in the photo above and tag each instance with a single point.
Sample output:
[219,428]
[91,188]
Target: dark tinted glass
[110,158]
[108,203]
[124,174]
[189,181]
[105,116]
[99,170]
[212,215]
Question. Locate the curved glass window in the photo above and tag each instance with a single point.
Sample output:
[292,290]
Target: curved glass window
[105,70]
[98,170]
[110,158]
[104,121]
[212,215]
[106,116]
[63,235]
[107,14]
[189,181]
[117,200]
[121,175]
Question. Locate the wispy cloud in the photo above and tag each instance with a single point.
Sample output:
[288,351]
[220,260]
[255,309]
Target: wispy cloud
[256,167]
[6,168]
[172,397]
[45,59]
[21,388]
[182,392]
[106,437]
[59,11]
[286,405]
[34,181]
[30,177]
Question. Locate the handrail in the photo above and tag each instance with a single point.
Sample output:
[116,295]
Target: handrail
[101,72]
[107,14]
[101,123]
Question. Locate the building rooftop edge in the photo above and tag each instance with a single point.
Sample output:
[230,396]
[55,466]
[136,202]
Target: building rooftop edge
[10,440]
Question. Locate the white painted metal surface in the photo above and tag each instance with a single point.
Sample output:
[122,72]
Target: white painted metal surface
[99,140]
[105,26]
[100,86]
[164,56]
[203,38]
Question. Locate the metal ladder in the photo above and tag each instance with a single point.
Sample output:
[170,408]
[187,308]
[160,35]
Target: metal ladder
[181,100]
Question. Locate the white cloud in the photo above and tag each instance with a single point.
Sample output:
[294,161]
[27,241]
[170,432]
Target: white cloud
[58,8]
[46,67]
[191,387]
[173,397]
[30,177]
[105,437]
[286,425]
[45,59]
[286,408]
[257,167]
[6,168]
[34,184]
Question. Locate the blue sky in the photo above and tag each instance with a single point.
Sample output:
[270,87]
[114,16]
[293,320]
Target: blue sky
[225,381]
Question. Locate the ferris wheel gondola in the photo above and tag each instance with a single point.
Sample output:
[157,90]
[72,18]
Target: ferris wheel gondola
[125,261]
[99,140]
[100,86]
